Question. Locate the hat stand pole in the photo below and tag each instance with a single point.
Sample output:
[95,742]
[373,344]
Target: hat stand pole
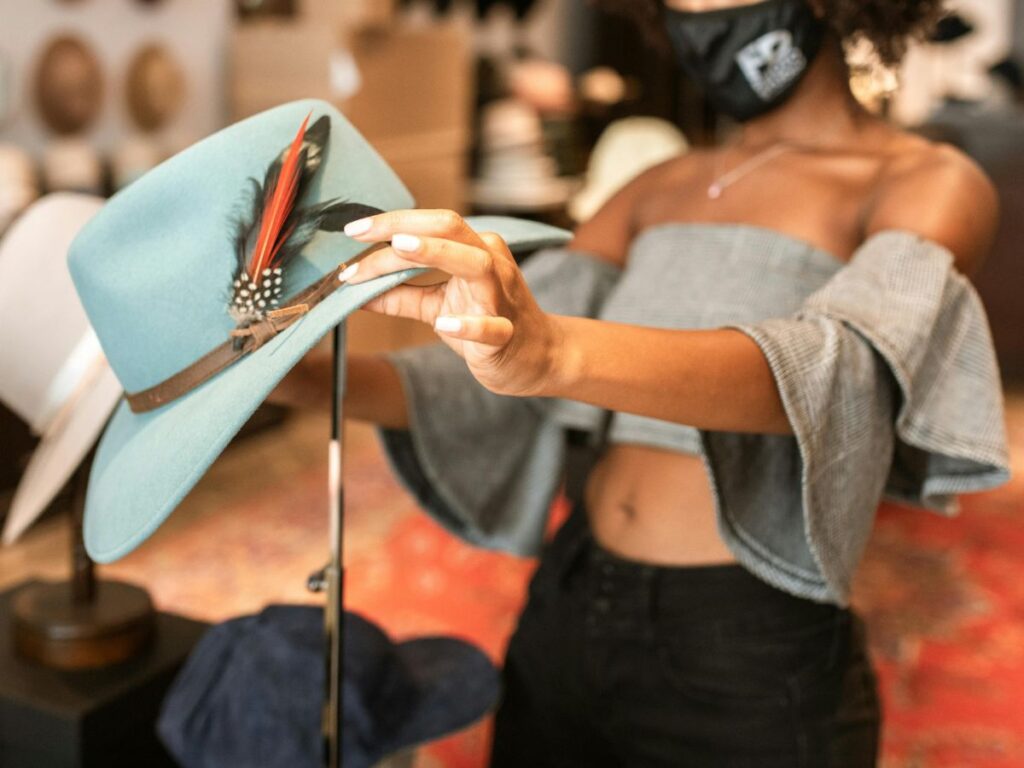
[82,623]
[335,571]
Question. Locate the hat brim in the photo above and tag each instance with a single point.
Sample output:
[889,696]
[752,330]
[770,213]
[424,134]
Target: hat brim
[457,683]
[59,453]
[147,463]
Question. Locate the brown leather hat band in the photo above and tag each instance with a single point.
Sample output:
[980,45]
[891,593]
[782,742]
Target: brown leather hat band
[242,342]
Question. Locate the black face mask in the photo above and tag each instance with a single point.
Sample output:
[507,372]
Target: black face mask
[748,60]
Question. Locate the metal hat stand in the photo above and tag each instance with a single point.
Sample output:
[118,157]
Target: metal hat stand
[331,579]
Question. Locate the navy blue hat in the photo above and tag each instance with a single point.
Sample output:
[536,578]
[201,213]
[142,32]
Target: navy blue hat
[251,692]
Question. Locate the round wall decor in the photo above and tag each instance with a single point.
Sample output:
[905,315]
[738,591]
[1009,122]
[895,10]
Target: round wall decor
[68,85]
[155,87]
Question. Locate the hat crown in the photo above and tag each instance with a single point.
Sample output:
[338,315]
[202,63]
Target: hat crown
[46,345]
[155,268]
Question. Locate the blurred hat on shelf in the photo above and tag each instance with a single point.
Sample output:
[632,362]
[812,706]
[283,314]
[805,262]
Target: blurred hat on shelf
[155,88]
[516,173]
[603,85]
[545,85]
[19,184]
[627,148]
[55,378]
[68,85]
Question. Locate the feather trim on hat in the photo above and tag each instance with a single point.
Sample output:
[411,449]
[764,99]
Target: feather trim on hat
[273,230]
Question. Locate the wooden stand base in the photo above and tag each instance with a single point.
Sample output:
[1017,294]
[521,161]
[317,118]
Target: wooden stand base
[54,629]
[91,718]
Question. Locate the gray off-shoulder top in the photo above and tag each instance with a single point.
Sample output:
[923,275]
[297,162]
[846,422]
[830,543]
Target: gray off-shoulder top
[885,367]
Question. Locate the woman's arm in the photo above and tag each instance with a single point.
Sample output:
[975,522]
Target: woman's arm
[707,379]
[748,403]
[714,379]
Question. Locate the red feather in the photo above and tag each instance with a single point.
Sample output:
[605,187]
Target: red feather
[280,201]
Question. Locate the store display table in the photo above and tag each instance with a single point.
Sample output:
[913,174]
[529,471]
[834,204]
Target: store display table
[103,717]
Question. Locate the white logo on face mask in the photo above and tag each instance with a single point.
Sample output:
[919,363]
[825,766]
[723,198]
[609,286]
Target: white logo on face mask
[771,63]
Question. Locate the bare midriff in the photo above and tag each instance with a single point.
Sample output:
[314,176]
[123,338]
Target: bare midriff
[655,506]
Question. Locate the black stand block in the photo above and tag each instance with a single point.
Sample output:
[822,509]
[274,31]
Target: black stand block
[103,717]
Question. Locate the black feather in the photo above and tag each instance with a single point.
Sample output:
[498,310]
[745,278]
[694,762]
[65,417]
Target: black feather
[338,213]
[314,144]
[247,225]
[332,216]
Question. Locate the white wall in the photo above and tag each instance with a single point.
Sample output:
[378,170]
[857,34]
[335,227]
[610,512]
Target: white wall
[194,31]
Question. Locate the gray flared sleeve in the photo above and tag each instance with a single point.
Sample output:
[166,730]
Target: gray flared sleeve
[889,380]
[488,466]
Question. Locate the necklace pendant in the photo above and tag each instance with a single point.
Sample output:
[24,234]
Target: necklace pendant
[715,191]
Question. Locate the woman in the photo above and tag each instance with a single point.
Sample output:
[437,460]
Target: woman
[693,610]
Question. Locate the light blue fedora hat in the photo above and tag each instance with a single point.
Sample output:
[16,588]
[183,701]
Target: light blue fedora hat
[197,348]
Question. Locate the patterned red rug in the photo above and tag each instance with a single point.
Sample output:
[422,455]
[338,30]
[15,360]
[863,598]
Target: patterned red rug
[944,599]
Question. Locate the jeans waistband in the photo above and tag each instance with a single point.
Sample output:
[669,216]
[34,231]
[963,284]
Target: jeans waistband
[620,591]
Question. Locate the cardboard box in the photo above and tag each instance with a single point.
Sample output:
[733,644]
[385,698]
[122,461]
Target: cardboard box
[417,81]
[350,14]
[415,107]
[274,61]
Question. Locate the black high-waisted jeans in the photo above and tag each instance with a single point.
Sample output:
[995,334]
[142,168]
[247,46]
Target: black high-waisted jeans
[616,663]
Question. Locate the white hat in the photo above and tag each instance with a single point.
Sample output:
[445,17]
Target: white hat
[515,171]
[19,185]
[52,371]
[627,148]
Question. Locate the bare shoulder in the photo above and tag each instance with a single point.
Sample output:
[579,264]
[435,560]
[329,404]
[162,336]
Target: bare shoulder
[608,233]
[938,192]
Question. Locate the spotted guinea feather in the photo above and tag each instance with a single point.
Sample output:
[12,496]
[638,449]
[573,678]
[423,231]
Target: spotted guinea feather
[272,229]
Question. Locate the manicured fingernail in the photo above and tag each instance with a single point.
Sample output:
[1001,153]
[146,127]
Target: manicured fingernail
[358,227]
[405,242]
[448,324]
[347,272]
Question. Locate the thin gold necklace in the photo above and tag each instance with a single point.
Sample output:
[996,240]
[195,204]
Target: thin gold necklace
[720,183]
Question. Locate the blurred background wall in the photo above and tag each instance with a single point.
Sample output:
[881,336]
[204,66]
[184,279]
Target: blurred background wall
[194,33]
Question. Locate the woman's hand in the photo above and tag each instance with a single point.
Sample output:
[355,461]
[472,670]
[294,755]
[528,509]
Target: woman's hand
[484,310]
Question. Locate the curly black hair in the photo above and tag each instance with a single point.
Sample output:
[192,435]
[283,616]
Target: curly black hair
[889,25]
